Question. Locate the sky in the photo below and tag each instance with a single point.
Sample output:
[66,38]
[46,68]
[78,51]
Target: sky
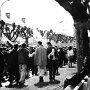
[41,14]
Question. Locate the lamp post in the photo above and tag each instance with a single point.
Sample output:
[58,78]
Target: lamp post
[1,23]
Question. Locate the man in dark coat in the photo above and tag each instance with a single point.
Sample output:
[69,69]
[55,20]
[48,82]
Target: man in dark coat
[23,60]
[52,62]
[13,65]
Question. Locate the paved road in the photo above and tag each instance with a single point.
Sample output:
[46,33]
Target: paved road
[32,83]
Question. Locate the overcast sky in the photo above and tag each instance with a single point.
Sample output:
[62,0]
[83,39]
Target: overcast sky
[44,14]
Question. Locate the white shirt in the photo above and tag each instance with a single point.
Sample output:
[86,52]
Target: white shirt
[52,53]
[70,53]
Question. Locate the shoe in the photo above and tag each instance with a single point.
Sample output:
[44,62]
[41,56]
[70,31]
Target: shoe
[9,86]
[17,83]
[57,73]
[51,81]
[21,85]
[36,74]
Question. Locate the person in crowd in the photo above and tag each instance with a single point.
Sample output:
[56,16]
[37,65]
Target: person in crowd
[13,66]
[1,66]
[56,59]
[75,55]
[23,60]
[40,60]
[5,72]
[33,66]
[65,61]
[70,55]
[52,65]
[61,56]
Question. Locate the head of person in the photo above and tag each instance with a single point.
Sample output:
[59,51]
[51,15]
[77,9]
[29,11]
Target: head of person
[24,45]
[39,43]
[70,48]
[49,44]
[15,46]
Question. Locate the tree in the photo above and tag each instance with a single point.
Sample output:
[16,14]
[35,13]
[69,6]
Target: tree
[78,10]
[26,33]
[16,31]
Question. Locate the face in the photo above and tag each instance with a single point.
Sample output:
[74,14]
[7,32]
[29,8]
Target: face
[48,45]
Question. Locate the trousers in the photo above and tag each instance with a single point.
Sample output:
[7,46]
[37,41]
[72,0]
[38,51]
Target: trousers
[23,72]
[41,70]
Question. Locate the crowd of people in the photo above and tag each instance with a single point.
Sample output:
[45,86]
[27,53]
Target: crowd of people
[17,62]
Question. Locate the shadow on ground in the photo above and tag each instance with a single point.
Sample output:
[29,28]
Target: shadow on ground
[17,86]
[43,84]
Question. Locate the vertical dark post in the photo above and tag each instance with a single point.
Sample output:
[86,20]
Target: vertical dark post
[82,43]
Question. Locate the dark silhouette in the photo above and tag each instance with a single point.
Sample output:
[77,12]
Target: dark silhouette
[13,66]
[75,80]
[52,62]
[1,66]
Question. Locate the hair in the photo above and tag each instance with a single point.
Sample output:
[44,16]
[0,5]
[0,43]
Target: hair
[15,46]
[0,49]
[70,47]
[48,43]
[39,42]
[24,45]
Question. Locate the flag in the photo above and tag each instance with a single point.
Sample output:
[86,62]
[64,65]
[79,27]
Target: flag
[8,15]
[23,20]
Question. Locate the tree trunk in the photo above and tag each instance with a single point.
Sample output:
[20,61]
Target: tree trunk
[82,43]
[27,41]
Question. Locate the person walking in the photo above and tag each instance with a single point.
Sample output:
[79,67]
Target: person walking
[40,60]
[52,63]
[22,59]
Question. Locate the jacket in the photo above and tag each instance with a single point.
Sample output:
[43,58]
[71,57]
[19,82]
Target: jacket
[40,58]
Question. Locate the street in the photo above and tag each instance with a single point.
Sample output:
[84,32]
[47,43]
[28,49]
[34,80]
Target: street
[32,82]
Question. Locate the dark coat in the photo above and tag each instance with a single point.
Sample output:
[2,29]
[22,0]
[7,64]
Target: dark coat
[23,56]
[13,59]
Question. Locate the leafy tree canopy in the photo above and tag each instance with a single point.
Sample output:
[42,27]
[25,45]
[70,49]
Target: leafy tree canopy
[77,8]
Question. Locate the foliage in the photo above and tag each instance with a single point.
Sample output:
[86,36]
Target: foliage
[77,8]
[17,30]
